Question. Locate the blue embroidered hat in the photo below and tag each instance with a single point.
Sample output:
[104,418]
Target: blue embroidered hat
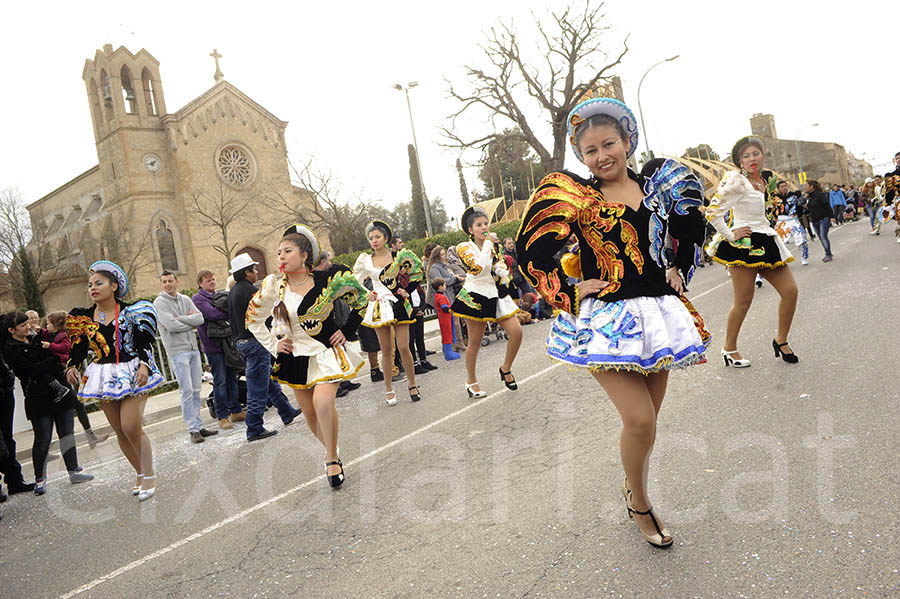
[305,231]
[609,106]
[116,271]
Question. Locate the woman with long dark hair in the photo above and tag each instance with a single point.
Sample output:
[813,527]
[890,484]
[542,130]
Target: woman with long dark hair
[41,375]
[485,297]
[820,213]
[393,276]
[311,355]
[626,319]
[749,246]
[438,268]
[123,370]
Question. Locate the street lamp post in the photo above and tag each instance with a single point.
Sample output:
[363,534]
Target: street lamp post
[641,110]
[412,126]
[797,146]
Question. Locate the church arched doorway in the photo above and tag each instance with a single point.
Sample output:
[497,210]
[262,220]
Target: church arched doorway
[257,256]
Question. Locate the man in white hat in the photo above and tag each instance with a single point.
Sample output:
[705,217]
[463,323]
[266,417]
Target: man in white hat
[261,389]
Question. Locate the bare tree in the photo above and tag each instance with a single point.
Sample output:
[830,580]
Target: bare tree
[321,202]
[122,243]
[510,87]
[220,209]
[17,233]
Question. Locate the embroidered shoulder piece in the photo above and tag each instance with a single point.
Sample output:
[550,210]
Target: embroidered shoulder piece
[405,263]
[81,330]
[468,258]
[340,286]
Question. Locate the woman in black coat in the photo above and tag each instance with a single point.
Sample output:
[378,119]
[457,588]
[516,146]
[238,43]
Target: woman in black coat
[41,375]
[819,207]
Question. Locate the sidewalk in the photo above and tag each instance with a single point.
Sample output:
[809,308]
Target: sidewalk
[161,407]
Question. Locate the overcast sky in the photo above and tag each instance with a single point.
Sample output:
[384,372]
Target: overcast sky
[328,69]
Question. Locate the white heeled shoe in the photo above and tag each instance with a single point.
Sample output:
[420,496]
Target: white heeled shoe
[390,398]
[475,394]
[729,361]
[146,493]
[137,488]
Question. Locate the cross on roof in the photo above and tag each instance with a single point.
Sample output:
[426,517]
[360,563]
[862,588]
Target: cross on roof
[218,76]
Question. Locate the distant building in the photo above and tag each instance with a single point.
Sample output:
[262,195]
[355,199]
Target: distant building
[824,161]
[138,205]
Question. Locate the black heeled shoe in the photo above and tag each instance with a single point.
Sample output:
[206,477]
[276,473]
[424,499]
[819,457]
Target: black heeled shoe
[662,538]
[512,386]
[789,358]
[418,394]
[335,480]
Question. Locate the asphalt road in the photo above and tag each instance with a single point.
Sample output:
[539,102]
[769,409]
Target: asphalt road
[779,480]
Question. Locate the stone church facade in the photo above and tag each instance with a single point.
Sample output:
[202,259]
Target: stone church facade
[167,183]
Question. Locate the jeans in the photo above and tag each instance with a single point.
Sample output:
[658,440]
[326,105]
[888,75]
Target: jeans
[260,386]
[872,210]
[821,226]
[838,213]
[225,387]
[43,433]
[10,468]
[189,375]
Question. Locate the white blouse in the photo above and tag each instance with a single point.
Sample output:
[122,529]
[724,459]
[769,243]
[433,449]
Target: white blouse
[364,269]
[481,268]
[260,309]
[747,205]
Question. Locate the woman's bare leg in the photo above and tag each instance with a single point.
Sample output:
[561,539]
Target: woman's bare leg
[629,393]
[305,401]
[385,340]
[402,333]
[112,411]
[783,281]
[742,283]
[476,332]
[513,328]
[326,414]
[132,415]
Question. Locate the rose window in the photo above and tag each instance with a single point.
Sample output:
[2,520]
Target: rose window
[234,165]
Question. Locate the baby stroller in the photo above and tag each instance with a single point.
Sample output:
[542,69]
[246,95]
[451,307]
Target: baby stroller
[494,329]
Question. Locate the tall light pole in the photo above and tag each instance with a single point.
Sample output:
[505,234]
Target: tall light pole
[406,89]
[641,110]
[797,146]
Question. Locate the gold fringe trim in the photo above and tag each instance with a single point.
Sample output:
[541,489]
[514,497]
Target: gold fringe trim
[488,319]
[390,323]
[778,264]
[325,379]
[664,364]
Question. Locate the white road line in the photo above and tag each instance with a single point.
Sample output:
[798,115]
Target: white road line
[213,527]
[699,295]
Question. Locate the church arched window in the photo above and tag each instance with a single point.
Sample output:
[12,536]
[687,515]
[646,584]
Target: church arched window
[107,95]
[165,241]
[149,93]
[95,105]
[128,96]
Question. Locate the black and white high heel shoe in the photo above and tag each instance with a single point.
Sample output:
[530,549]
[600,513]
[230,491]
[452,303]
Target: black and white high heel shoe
[729,361]
[335,480]
[475,394]
[511,385]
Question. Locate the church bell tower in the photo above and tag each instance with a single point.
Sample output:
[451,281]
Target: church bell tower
[127,104]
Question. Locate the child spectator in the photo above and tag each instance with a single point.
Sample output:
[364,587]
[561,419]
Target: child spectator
[445,320]
[55,339]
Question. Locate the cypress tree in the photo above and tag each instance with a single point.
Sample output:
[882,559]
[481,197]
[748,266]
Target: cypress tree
[30,288]
[463,189]
[418,202]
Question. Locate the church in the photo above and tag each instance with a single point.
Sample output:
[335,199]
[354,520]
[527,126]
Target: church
[181,191]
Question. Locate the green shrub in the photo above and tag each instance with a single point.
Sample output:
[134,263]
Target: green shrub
[507,229]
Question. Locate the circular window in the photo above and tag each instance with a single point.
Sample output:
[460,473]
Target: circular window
[235,165]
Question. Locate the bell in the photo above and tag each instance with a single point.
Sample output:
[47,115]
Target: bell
[107,94]
[129,95]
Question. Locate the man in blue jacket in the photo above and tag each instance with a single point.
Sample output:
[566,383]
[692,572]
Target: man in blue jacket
[838,202]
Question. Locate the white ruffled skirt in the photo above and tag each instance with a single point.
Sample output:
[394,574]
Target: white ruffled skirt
[113,382]
[641,334]
[331,365]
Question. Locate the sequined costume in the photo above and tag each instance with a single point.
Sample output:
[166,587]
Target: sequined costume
[118,351]
[750,208]
[485,294]
[313,360]
[788,226]
[404,272]
[638,322]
